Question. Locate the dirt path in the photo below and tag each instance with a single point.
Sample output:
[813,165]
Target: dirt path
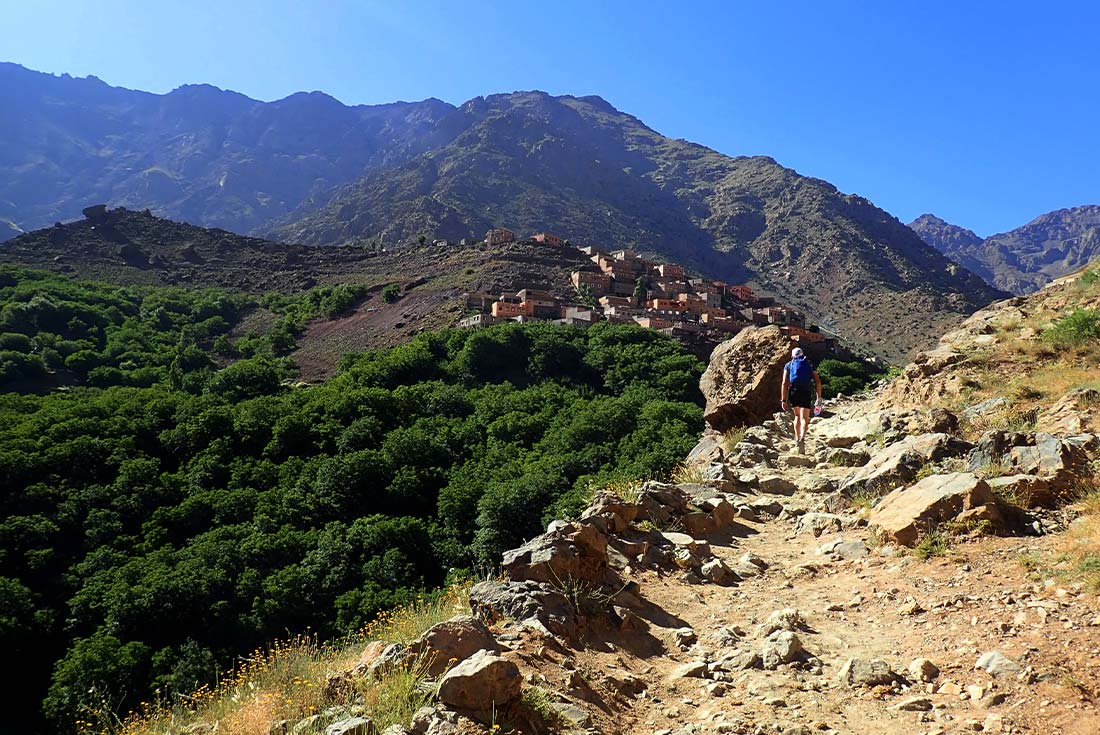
[883,603]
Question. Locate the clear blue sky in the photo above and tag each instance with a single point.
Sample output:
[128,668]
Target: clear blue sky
[985,113]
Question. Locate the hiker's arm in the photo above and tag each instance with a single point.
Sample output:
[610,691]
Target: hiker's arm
[784,387]
[817,380]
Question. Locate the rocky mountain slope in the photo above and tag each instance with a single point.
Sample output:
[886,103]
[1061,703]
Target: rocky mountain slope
[308,169]
[530,161]
[201,154]
[1024,259]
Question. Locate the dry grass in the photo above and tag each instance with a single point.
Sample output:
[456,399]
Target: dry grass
[628,491]
[287,681]
[687,474]
[733,437]
[1079,560]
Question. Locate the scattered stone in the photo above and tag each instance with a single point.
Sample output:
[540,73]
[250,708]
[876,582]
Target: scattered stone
[777,485]
[572,714]
[684,637]
[786,619]
[351,726]
[949,688]
[866,672]
[997,664]
[900,462]
[816,484]
[819,523]
[717,572]
[921,669]
[914,704]
[781,647]
[749,565]
[694,669]
[480,682]
[739,661]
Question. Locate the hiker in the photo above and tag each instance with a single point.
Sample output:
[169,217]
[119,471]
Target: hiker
[799,380]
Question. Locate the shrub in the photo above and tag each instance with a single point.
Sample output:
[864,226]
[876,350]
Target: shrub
[391,293]
[1081,326]
[846,377]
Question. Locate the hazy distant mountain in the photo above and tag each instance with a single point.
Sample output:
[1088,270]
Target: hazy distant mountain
[198,153]
[1024,259]
[310,169]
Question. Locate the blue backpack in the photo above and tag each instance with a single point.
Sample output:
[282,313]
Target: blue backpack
[800,371]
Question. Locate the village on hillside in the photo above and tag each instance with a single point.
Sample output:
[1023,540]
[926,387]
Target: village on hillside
[620,287]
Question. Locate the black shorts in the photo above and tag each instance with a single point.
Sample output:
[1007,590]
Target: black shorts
[801,396]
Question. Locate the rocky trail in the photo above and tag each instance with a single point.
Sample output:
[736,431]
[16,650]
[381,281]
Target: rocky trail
[748,602]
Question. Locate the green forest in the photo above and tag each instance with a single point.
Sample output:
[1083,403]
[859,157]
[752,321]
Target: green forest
[172,498]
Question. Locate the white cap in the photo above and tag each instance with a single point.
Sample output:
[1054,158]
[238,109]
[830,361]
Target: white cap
[797,352]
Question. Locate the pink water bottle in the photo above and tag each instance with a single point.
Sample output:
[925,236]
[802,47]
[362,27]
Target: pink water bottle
[817,409]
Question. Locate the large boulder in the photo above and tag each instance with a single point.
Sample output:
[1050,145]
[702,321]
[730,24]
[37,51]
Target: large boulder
[741,383]
[481,683]
[446,643]
[531,602]
[900,462]
[904,513]
[567,551]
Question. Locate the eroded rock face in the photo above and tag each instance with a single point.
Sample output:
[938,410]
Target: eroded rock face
[904,513]
[741,383]
[481,682]
[568,550]
[492,601]
[1053,464]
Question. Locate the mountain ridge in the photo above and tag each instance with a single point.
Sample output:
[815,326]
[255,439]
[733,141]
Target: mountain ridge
[309,169]
[1022,260]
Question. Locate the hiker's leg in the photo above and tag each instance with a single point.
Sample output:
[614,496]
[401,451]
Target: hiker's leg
[804,415]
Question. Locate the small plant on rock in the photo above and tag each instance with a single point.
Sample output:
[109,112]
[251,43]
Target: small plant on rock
[733,437]
[932,542]
[687,474]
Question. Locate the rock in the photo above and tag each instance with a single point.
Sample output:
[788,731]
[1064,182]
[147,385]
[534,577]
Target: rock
[997,664]
[819,523]
[905,512]
[749,565]
[575,716]
[614,514]
[949,688]
[435,721]
[921,669]
[788,619]
[866,672]
[1027,491]
[481,682]
[847,457]
[811,483]
[694,669]
[849,550]
[799,460]
[695,546]
[900,462]
[984,408]
[739,660]
[781,647]
[95,213]
[777,485]
[493,600]
[451,641]
[351,726]
[914,704]
[717,572]
[1058,463]
[684,637]
[768,506]
[709,449]
[942,421]
[570,550]
[741,381]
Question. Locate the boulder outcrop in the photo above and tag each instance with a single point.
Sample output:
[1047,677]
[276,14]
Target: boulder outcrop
[905,513]
[741,383]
